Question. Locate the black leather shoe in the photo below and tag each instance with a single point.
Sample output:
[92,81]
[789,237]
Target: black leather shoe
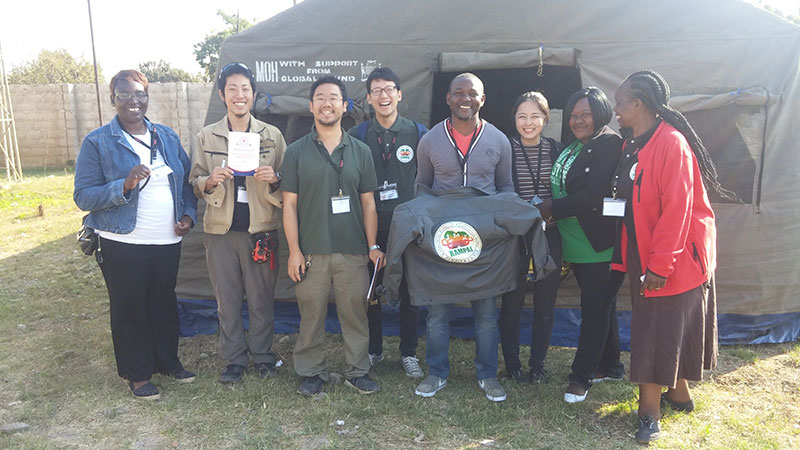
[145,392]
[310,386]
[517,376]
[363,384]
[266,370]
[649,430]
[537,376]
[232,374]
[677,406]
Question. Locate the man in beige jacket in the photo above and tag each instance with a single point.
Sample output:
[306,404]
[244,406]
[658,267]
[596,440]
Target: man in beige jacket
[242,215]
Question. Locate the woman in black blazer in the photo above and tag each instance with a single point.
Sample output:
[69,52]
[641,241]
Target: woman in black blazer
[580,180]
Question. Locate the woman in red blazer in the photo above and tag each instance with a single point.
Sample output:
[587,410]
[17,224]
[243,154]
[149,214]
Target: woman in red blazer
[667,246]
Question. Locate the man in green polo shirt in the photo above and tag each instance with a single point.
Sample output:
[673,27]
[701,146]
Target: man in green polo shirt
[393,140]
[329,218]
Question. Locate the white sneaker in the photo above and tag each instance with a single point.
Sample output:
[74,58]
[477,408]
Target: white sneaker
[375,359]
[411,366]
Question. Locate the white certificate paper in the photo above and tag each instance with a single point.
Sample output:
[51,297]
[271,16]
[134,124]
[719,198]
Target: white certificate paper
[243,152]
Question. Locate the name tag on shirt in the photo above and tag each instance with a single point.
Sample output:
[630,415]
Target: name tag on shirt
[160,170]
[388,191]
[340,205]
[613,207]
[241,194]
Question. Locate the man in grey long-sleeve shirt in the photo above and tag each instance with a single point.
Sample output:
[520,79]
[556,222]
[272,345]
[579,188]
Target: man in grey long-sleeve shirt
[464,150]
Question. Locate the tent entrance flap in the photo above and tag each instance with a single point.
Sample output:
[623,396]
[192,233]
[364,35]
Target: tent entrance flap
[503,86]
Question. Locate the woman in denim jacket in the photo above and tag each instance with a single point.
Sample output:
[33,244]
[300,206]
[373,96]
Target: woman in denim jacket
[132,177]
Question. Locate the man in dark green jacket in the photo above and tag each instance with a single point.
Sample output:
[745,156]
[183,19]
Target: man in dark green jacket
[393,140]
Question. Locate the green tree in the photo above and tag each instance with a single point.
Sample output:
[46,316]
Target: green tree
[161,72]
[54,67]
[206,52]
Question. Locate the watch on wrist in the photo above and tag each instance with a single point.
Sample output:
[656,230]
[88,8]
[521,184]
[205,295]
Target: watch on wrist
[375,247]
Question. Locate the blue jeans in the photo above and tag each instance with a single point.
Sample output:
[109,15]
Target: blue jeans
[437,342]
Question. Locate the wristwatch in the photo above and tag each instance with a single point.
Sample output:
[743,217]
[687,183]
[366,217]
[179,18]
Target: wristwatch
[375,247]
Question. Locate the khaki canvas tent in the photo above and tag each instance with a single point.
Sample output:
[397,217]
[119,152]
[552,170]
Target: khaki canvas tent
[733,69]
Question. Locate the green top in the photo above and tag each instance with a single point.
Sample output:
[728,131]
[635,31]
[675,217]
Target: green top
[309,172]
[576,247]
[394,151]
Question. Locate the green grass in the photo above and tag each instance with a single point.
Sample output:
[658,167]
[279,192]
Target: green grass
[57,374]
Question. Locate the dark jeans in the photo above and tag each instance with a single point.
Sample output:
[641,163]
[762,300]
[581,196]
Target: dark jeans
[409,335]
[544,301]
[408,324]
[144,310]
[598,345]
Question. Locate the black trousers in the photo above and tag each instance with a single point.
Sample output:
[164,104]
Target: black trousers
[144,312]
[598,345]
[544,300]
[409,316]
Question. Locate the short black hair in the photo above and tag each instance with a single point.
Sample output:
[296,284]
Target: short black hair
[383,73]
[601,108]
[328,80]
[233,69]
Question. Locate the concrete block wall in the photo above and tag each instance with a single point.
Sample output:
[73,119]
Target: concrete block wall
[52,120]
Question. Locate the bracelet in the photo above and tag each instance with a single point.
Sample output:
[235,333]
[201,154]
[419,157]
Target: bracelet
[375,247]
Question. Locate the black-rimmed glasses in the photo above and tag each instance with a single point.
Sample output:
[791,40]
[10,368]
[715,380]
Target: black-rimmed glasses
[376,92]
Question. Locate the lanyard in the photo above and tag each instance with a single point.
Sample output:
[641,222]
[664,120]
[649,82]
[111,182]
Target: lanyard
[153,147]
[462,158]
[386,153]
[338,168]
[535,178]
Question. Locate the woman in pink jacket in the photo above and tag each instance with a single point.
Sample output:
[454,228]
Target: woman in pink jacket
[667,246]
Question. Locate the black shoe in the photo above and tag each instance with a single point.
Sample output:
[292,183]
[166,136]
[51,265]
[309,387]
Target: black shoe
[678,406]
[145,392]
[363,384]
[310,386]
[517,376]
[537,376]
[266,370]
[649,430]
[184,376]
[232,374]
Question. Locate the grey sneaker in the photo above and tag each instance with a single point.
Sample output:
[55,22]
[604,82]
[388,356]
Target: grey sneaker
[430,386]
[492,388]
[411,366]
[374,359]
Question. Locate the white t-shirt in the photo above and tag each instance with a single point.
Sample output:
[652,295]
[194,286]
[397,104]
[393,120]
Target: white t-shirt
[155,214]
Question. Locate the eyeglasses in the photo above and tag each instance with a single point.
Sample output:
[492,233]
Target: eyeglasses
[376,92]
[231,65]
[125,96]
[583,117]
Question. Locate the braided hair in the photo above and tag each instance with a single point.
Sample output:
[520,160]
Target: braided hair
[651,88]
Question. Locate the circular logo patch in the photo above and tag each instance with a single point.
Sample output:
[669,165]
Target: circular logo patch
[405,154]
[633,171]
[457,242]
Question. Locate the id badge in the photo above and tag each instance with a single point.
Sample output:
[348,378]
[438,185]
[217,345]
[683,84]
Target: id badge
[160,170]
[613,207]
[388,191]
[536,200]
[340,205]
[241,194]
